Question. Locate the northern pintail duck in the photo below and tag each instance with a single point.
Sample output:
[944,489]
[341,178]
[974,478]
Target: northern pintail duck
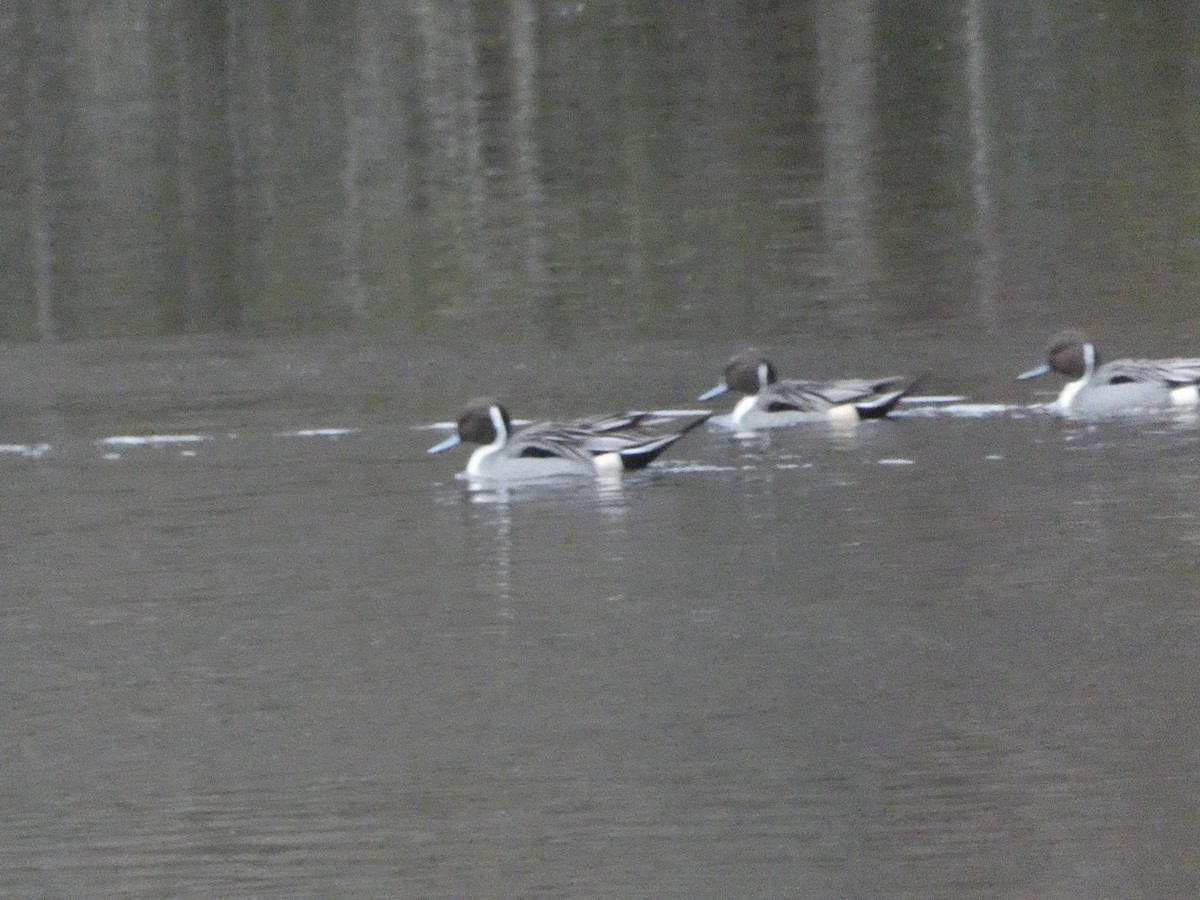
[603,446]
[770,402]
[1119,387]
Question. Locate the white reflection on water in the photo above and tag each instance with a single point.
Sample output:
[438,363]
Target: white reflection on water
[965,410]
[498,553]
[151,440]
[507,513]
[318,432]
[29,451]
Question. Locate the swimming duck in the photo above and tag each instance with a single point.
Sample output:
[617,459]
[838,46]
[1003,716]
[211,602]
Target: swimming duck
[770,402]
[1119,387]
[592,446]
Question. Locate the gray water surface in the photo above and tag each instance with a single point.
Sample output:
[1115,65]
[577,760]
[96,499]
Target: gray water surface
[938,655]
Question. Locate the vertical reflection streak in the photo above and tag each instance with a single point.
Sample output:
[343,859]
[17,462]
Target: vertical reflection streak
[845,37]
[982,160]
[498,556]
[530,196]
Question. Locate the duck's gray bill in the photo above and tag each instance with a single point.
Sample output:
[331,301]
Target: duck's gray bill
[1043,369]
[453,441]
[720,389]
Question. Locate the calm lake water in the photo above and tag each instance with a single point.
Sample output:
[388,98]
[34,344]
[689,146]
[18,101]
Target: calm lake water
[267,647]
[255,643]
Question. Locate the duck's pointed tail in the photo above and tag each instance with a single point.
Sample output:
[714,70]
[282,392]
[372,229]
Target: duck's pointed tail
[640,455]
[891,390]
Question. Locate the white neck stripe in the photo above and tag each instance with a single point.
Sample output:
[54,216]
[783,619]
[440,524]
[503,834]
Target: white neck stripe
[497,418]
[1089,359]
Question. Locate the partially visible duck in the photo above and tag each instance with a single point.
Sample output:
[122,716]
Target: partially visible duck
[1120,387]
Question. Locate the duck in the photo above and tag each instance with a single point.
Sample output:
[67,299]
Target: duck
[605,446]
[1120,387]
[771,402]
